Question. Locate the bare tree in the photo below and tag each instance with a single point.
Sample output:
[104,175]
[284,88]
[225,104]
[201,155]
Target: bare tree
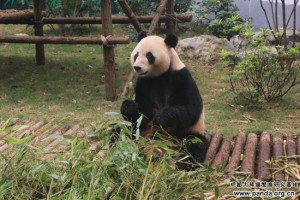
[280,38]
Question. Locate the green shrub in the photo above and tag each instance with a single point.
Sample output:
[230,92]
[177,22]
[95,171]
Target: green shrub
[264,74]
[221,16]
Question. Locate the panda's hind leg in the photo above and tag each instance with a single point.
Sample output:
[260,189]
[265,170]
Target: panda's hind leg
[197,146]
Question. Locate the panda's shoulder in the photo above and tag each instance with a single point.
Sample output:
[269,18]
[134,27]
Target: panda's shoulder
[183,74]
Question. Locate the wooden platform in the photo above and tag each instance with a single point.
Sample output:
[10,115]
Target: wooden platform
[245,154]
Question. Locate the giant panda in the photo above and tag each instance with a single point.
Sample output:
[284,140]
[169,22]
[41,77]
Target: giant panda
[166,95]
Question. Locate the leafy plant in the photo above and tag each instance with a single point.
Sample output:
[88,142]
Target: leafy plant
[15,4]
[221,17]
[263,74]
[130,170]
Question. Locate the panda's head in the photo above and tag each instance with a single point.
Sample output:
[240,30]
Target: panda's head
[153,55]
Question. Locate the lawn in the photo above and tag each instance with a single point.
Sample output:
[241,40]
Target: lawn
[70,88]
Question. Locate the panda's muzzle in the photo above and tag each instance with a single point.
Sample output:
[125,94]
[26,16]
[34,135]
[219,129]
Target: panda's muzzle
[137,68]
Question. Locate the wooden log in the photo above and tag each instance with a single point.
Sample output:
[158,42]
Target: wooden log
[278,153]
[298,148]
[7,126]
[248,162]
[44,133]
[156,16]
[102,152]
[236,153]
[264,154]
[170,24]
[108,52]
[131,15]
[32,129]
[15,16]
[223,154]
[62,27]
[27,125]
[213,148]
[38,31]
[62,40]
[41,130]
[291,152]
[55,142]
[51,135]
[12,131]
[55,147]
[291,148]
[176,18]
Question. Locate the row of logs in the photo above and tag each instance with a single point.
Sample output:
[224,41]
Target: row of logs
[249,154]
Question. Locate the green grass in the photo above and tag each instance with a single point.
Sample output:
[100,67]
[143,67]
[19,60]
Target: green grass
[228,116]
[70,88]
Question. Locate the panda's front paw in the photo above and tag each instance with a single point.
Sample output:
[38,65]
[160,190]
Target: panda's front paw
[129,109]
[160,121]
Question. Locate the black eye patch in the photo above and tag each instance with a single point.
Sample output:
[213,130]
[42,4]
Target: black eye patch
[150,57]
[135,56]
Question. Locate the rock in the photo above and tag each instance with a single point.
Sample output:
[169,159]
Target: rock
[205,48]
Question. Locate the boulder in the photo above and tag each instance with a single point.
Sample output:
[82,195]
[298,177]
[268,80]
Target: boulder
[204,47]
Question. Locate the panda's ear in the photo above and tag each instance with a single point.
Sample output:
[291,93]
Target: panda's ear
[171,40]
[142,35]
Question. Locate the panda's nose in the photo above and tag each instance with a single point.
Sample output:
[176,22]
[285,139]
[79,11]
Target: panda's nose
[137,68]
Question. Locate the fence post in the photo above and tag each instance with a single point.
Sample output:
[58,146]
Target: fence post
[38,31]
[170,23]
[108,52]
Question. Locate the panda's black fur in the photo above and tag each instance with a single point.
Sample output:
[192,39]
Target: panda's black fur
[170,101]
